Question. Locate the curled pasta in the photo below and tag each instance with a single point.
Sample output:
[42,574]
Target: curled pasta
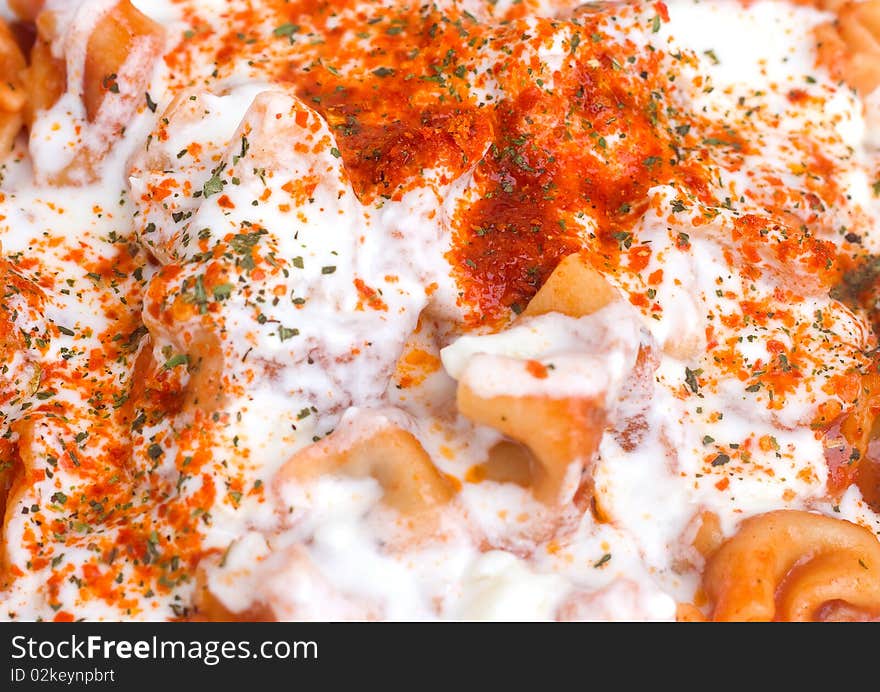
[121,49]
[559,432]
[787,565]
[410,482]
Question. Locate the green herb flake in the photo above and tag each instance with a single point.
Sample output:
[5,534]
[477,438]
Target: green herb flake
[690,378]
[285,333]
[174,361]
[720,460]
[287,29]
[222,291]
[213,186]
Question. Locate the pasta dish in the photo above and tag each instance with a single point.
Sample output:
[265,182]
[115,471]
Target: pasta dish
[463,309]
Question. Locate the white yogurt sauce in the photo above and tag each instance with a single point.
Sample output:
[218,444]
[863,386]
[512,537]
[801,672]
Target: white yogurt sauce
[303,298]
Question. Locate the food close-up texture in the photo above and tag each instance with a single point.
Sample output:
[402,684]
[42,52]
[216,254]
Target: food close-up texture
[465,309]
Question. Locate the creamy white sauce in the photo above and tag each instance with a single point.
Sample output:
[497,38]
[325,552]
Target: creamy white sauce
[303,350]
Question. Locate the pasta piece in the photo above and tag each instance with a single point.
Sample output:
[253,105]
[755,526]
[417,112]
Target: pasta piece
[850,436]
[10,468]
[391,455]
[687,612]
[563,434]
[859,26]
[827,578]
[122,35]
[698,542]
[559,432]
[850,47]
[121,49]
[508,462]
[27,9]
[205,387]
[258,583]
[157,391]
[12,93]
[45,77]
[574,289]
[838,611]
[786,565]
[209,608]
[708,537]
